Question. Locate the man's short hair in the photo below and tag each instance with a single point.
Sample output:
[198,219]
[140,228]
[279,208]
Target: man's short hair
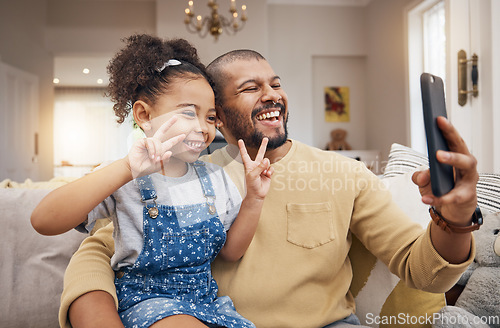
[216,68]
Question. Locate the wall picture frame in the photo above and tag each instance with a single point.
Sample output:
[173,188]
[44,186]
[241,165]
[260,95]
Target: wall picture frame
[337,107]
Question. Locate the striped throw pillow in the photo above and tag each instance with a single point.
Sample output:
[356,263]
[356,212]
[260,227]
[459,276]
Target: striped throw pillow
[403,159]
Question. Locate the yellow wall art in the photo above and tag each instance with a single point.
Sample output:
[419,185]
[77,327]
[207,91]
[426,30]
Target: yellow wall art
[337,104]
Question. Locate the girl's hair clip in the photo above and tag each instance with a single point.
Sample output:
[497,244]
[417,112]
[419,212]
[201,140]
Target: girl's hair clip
[170,62]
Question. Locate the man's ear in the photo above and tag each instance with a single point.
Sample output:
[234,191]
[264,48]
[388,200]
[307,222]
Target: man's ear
[142,115]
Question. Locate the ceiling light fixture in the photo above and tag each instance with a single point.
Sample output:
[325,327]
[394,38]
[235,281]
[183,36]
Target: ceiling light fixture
[86,71]
[215,24]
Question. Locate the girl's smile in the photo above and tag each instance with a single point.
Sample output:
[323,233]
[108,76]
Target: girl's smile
[193,102]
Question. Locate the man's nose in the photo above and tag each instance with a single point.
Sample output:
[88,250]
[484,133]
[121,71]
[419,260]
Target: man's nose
[270,94]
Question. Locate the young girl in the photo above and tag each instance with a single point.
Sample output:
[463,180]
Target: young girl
[170,211]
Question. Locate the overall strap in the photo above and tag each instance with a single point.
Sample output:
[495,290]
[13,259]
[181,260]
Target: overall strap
[148,194]
[146,187]
[206,184]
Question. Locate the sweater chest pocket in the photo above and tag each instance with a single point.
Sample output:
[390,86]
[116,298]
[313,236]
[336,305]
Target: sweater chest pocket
[309,225]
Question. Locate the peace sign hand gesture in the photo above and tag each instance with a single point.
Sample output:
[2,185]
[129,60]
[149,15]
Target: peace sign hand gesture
[148,155]
[258,172]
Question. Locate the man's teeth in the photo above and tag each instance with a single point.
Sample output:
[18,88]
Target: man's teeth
[268,115]
[194,144]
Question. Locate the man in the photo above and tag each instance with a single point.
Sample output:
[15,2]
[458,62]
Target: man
[296,272]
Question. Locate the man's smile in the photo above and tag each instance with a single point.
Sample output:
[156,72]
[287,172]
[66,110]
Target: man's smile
[269,115]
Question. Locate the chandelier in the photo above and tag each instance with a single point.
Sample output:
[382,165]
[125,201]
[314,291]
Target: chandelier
[215,24]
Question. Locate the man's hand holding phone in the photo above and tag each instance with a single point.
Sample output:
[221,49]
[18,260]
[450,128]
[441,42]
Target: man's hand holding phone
[450,183]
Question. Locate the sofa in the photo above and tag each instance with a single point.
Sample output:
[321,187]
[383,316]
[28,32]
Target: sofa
[32,266]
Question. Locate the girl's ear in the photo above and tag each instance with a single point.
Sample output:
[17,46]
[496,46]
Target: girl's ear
[142,115]
[219,122]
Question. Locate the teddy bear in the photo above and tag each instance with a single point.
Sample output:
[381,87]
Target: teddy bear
[337,141]
[479,303]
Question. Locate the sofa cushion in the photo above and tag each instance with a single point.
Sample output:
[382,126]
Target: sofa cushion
[403,159]
[32,265]
[30,184]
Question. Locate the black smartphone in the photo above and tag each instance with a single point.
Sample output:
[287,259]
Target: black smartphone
[434,105]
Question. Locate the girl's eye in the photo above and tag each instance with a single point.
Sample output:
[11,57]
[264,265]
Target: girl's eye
[211,119]
[189,113]
[276,86]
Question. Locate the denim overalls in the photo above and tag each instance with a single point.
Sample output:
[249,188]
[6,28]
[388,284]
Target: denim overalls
[172,274]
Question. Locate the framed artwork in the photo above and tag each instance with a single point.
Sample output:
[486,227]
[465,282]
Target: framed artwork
[337,104]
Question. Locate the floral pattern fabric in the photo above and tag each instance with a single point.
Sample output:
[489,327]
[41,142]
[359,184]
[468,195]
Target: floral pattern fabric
[172,275]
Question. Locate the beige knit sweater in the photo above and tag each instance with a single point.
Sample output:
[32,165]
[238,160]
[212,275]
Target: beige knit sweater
[296,272]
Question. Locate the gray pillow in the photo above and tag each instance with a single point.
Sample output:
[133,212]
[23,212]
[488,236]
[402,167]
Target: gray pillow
[32,265]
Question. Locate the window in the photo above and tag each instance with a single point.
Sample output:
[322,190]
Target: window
[86,133]
[434,40]
[426,53]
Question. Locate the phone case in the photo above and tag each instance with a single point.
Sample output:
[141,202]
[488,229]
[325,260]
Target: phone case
[442,178]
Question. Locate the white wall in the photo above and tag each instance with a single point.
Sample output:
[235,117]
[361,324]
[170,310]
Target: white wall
[95,27]
[495,83]
[290,36]
[254,36]
[335,71]
[296,34]
[386,93]
[22,45]
[488,151]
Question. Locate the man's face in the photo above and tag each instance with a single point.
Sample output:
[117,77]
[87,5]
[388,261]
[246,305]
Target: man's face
[255,105]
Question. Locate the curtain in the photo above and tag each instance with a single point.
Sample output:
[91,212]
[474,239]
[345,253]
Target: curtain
[86,133]
[435,40]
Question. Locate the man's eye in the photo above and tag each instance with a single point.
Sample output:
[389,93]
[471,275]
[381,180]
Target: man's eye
[250,89]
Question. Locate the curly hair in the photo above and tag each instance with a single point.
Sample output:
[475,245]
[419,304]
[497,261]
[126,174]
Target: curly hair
[134,72]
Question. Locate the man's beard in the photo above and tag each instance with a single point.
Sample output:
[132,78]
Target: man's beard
[241,128]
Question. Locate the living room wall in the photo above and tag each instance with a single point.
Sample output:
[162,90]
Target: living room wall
[288,35]
[386,96]
[22,45]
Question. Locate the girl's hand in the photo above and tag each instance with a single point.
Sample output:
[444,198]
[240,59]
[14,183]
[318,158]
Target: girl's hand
[148,155]
[258,172]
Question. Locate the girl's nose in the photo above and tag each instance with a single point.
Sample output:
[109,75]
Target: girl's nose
[201,126]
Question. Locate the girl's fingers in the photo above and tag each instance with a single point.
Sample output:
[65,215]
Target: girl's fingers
[158,151]
[166,156]
[169,143]
[151,148]
[164,127]
[262,150]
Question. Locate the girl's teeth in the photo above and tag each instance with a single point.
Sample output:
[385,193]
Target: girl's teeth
[194,144]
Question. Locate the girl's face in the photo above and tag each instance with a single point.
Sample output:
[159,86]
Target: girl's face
[193,102]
